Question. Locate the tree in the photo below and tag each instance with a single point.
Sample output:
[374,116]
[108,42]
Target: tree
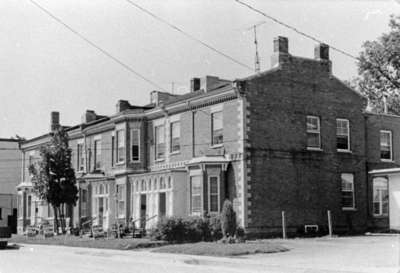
[379,69]
[228,220]
[54,178]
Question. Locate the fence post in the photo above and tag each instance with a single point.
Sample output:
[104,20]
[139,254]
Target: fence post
[283,225]
[329,223]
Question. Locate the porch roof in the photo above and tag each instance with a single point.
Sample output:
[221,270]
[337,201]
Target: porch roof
[385,171]
[208,159]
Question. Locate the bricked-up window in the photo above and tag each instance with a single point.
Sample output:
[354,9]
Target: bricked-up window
[380,196]
[217,128]
[160,142]
[120,146]
[97,154]
[313,132]
[175,137]
[347,190]
[342,135]
[135,145]
[80,162]
[386,145]
[195,195]
[213,194]
[121,194]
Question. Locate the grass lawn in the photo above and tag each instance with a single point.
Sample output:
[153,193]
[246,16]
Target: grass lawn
[219,249]
[75,241]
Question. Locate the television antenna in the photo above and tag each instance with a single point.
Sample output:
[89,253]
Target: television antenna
[257,57]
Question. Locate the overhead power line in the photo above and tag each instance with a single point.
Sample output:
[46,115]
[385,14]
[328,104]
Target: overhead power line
[294,29]
[106,53]
[189,35]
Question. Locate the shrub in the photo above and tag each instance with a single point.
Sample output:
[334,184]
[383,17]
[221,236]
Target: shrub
[190,229]
[228,220]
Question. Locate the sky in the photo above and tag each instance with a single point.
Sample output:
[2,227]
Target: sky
[45,67]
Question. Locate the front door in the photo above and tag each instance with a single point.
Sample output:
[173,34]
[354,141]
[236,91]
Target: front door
[143,209]
[162,205]
[101,211]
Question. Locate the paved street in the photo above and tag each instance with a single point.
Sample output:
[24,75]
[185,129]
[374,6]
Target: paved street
[346,255]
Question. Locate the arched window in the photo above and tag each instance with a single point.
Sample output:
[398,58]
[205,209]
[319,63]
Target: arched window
[143,185]
[149,187]
[155,184]
[136,185]
[162,183]
[101,189]
[169,182]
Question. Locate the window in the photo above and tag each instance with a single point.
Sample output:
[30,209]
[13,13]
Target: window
[29,207]
[143,188]
[112,150]
[121,193]
[160,142]
[80,162]
[313,132]
[386,145]
[175,137]
[342,135]
[195,195]
[84,197]
[1,214]
[217,128]
[162,183]
[97,154]
[120,146]
[135,145]
[213,194]
[347,190]
[380,196]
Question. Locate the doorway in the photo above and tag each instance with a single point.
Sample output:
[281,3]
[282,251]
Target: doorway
[101,211]
[162,204]
[143,210]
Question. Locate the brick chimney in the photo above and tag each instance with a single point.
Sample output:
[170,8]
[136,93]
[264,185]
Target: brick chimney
[281,51]
[54,121]
[122,105]
[89,116]
[194,84]
[321,52]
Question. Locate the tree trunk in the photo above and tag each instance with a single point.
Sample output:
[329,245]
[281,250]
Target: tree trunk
[55,218]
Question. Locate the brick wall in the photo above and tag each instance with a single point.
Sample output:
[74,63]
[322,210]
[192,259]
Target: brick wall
[284,174]
[375,123]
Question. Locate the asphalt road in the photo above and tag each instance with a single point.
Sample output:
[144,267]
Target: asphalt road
[344,255]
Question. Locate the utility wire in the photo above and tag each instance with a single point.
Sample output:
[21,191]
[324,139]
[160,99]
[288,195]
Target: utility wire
[106,53]
[189,35]
[294,29]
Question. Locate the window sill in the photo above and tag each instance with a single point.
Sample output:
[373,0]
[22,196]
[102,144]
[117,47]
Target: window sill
[175,153]
[135,161]
[344,151]
[349,209]
[380,216]
[159,160]
[387,160]
[215,146]
[120,163]
[314,149]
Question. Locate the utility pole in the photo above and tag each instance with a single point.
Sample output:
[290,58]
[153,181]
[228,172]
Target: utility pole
[257,58]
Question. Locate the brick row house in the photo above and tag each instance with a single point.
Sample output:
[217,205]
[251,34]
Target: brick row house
[293,139]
